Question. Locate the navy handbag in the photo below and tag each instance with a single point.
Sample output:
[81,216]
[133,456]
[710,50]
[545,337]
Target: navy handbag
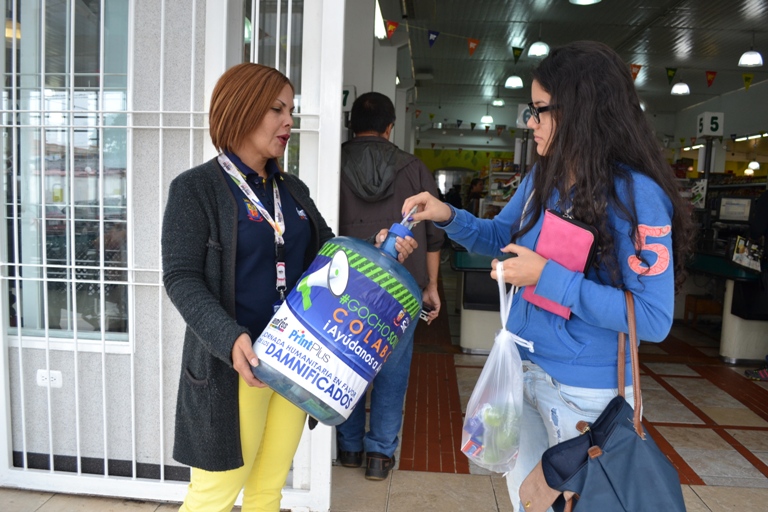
[614,465]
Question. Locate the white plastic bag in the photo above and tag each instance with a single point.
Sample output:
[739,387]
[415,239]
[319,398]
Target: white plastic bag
[491,434]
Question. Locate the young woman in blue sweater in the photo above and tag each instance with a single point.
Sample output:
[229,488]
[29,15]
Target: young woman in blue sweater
[599,162]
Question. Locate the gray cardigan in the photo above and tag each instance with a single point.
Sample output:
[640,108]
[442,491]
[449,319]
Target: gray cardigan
[199,242]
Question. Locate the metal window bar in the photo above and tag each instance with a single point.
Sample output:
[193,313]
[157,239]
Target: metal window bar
[160,216]
[288,35]
[102,305]
[72,289]
[278,26]
[42,202]
[288,18]
[16,237]
[255,32]
[131,276]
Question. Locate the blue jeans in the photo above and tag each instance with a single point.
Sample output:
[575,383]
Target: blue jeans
[551,411]
[387,398]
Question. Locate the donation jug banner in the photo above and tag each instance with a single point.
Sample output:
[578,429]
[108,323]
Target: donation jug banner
[338,326]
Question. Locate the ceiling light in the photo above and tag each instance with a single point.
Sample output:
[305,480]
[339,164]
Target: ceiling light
[754,165]
[584,2]
[748,172]
[498,101]
[740,139]
[642,106]
[487,118]
[751,137]
[513,82]
[681,89]
[539,48]
[751,58]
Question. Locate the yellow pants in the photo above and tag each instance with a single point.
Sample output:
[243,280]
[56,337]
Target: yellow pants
[270,431]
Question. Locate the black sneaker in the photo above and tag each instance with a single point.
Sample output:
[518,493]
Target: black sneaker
[378,466]
[350,459]
[759,374]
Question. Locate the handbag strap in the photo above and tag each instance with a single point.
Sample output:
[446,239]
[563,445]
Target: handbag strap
[632,328]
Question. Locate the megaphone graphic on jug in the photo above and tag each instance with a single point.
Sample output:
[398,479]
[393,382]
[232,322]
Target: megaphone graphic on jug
[333,276]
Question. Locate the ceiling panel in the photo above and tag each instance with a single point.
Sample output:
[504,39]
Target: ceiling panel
[694,36]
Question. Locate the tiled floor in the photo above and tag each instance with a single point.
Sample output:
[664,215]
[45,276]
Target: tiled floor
[710,420]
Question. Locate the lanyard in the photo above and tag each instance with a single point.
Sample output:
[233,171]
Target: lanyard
[278,223]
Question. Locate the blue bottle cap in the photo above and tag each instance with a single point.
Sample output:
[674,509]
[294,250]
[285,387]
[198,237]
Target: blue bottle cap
[396,230]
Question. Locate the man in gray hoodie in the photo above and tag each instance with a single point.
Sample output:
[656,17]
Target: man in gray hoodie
[376,178]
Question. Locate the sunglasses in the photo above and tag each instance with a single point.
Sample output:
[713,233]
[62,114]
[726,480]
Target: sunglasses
[537,111]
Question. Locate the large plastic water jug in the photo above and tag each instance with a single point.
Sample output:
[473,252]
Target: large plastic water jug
[338,326]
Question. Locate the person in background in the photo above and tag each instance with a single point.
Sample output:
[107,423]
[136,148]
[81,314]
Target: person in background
[599,162]
[227,225]
[453,196]
[376,177]
[758,231]
[474,195]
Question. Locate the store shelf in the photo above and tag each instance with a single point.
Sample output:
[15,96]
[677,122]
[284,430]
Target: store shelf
[737,185]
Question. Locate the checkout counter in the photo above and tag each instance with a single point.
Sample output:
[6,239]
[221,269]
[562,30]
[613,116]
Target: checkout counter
[478,296]
[744,334]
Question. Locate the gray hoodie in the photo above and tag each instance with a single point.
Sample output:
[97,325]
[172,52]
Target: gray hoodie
[376,178]
[369,166]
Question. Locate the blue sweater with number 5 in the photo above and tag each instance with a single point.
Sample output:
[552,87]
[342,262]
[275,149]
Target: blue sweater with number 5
[583,351]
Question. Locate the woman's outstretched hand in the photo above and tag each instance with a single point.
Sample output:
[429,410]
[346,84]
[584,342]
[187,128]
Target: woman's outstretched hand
[243,358]
[523,270]
[428,208]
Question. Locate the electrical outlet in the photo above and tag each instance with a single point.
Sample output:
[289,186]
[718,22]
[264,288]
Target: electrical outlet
[49,378]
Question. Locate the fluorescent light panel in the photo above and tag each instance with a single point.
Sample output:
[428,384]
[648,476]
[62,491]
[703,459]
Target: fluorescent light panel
[379,28]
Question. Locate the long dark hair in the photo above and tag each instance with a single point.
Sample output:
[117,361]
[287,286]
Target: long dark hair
[600,134]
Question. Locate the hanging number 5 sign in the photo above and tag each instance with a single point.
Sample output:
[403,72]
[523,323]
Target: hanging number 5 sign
[710,124]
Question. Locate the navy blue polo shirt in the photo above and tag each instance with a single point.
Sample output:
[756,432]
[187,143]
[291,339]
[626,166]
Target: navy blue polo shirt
[255,273]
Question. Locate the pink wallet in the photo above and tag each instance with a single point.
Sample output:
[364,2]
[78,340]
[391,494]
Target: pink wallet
[568,242]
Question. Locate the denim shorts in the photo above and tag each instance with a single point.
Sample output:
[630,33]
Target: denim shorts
[551,411]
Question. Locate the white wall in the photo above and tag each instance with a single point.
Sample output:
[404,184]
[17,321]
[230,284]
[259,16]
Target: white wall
[358,44]
[745,112]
